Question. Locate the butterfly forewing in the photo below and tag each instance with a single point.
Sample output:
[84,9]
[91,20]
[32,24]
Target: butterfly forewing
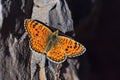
[71,47]
[36,29]
[57,53]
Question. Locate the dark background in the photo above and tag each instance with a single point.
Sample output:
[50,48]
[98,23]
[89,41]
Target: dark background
[97,26]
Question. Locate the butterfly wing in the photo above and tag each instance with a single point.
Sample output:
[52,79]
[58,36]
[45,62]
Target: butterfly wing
[57,53]
[39,35]
[71,47]
[36,29]
[38,44]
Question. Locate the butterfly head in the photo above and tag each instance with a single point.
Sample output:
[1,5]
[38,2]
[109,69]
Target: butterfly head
[54,36]
[56,33]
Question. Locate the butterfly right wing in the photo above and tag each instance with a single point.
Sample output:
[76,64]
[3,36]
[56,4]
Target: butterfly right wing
[39,35]
[63,48]
[71,47]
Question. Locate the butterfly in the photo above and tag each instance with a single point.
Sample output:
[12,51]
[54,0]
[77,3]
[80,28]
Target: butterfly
[56,47]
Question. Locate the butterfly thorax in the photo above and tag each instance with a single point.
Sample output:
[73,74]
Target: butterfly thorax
[52,41]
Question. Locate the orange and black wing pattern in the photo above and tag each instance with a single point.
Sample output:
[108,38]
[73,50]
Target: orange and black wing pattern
[39,35]
[71,47]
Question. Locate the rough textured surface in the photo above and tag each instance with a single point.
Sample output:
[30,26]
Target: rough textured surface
[14,51]
[16,59]
[1,17]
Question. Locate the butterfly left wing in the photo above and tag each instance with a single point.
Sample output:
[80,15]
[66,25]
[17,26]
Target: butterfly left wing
[38,44]
[36,29]
[71,47]
[39,35]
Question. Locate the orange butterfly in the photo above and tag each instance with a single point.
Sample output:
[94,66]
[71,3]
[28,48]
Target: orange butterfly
[56,48]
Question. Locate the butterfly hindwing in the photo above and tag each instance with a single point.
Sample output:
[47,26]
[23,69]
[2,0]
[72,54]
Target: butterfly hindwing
[38,44]
[57,53]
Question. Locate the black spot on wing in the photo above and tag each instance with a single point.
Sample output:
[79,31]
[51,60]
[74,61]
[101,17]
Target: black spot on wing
[32,23]
[36,34]
[66,49]
[35,25]
[75,45]
[70,46]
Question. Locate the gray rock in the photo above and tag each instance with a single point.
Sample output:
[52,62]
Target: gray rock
[17,61]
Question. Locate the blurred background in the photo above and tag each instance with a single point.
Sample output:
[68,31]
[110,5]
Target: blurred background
[97,26]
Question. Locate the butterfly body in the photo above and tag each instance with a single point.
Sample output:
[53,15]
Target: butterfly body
[56,47]
[51,41]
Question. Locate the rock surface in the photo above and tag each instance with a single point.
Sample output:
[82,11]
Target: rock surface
[16,59]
